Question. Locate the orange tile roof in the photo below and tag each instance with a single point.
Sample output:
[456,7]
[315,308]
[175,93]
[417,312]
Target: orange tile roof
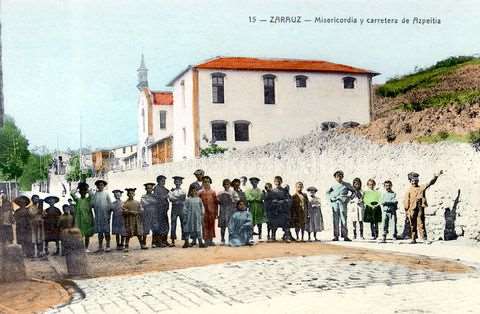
[256,64]
[162,98]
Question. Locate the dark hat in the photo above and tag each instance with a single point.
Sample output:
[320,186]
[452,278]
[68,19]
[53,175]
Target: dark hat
[254,179]
[22,200]
[199,172]
[413,175]
[117,191]
[149,183]
[161,177]
[100,181]
[312,188]
[178,178]
[51,199]
[130,189]
[83,185]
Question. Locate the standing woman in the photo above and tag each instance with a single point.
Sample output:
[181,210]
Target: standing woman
[149,215]
[299,210]
[227,208]
[373,208]
[254,198]
[356,208]
[210,203]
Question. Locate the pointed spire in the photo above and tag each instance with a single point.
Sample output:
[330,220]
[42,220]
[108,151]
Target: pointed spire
[142,75]
[142,64]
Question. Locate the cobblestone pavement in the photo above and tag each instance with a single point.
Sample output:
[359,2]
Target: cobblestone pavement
[311,284]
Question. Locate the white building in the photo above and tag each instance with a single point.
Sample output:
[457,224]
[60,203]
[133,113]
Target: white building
[155,122]
[240,102]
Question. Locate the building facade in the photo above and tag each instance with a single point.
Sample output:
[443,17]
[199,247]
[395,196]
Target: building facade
[242,102]
[155,123]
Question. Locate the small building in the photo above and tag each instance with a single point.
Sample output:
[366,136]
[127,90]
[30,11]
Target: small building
[102,161]
[121,157]
[240,102]
[155,122]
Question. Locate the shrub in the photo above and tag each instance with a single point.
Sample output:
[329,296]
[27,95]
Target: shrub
[474,139]
[212,149]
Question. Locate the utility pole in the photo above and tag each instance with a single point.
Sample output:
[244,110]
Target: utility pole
[2,108]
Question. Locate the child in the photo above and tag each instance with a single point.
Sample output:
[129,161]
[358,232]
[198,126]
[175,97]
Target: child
[389,205]
[118,225]
[356,208]
[238,194]
[240,228]
[299,210]
[415,203]
[315,218]
[339,194]
[193,214]
[38,236]
[133,222]
[50,218]
[210,203]
[83,213]
[254,197]
[266,204]
[373,209]
[225,201]
[23,226]
[65,222]
[177,198]
[150,217]
[102,207]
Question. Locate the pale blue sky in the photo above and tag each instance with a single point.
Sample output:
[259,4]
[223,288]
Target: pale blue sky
[63,57]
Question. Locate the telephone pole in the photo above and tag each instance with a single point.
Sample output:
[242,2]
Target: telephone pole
[2,109]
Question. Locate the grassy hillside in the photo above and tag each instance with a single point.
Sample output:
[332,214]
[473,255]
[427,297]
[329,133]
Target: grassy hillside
[439,103]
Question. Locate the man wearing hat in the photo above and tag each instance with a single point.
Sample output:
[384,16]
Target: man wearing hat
[23,226]
[177,197]
[118,225]
[161,193]
[254,197]
[102,206]
[50,218]
[150,215]
[199,174]
[415,203]
[6,219]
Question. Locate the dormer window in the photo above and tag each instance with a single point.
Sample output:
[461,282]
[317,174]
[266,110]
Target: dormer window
[301,81]
[349,82]
[269,89]
[218,88]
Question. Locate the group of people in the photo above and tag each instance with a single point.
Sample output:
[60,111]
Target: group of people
[238,208]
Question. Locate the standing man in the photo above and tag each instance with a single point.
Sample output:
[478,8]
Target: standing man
[161,194]
[339,195]
[415,203]
[177,197]
[102,206]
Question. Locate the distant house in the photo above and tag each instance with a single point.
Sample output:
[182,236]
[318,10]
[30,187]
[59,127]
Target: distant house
[155,122]
[240,102]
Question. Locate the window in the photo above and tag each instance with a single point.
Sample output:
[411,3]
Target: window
[131,149]
[124,150]
[163,119]
[218,88]
[184,136]
[301,81]
[219,131]
[242,131]
[269,89]
[348,82]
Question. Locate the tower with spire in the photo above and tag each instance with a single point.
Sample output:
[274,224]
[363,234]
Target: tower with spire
[142,75]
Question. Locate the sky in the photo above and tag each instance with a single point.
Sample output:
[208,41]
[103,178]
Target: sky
[67,61]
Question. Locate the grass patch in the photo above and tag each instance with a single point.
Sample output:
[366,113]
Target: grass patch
[424,77]
[443,136]
[460,98]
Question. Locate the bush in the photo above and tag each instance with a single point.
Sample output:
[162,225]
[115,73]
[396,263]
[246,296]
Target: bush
[474,139]
[212,149]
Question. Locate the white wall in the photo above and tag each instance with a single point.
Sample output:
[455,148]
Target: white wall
[296,110]
[183,118]
[157,132]
[313,159]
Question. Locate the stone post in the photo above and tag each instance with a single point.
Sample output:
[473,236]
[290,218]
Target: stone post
[76,258]
[12,266]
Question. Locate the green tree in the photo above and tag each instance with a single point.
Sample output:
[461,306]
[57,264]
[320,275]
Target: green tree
[14,151]
[36,169]
[75,172]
